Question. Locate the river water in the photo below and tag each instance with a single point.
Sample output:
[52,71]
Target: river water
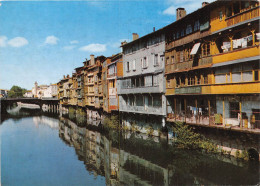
[51,150]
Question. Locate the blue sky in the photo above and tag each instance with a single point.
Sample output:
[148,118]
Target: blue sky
[44,40]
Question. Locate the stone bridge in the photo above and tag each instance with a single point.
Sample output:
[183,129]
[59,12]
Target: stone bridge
[4,103]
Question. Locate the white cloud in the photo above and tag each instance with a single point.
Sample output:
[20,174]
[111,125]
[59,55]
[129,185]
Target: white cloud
[69,47]
[18,42]
[170,11]
[51,40]
[74,42]
[94,48]
[189,5]
[3,40]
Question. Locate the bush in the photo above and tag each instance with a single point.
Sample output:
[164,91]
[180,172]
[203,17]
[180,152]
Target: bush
[186,138]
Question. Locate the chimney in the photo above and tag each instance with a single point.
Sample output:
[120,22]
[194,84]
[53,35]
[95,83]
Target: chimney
[123,43]
[180,13]
[154,29]
[135,36]
[204,4]
[92,59]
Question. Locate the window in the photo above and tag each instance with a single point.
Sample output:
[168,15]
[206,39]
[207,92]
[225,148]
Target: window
[236,73]
[196,25]
[157,101]
[206,49]
[221,75]
[205,77]
[139,100]
[198,80]
[144,62]
[182,32]
[181,56]
[236,7]
[155,80]
[156,63]
[161,60]
[173,61]
[178,35]
[245,4]
[127,66]
[220,15]
[134,66]
[229,11]
[189,29]
[142,81]
[148,81]
[234,109]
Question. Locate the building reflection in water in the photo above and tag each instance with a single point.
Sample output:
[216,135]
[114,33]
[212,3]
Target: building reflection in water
[131,159]
[44,120]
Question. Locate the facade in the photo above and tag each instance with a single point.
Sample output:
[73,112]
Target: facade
[141,89]
[28,94]
[80,86]
[212,65]
[112,70]
[44,91]
[3,93]
[93,82]
[63,90]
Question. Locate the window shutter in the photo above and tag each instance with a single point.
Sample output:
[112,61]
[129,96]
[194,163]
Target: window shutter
[134,65]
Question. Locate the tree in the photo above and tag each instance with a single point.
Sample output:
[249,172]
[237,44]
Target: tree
[16,92]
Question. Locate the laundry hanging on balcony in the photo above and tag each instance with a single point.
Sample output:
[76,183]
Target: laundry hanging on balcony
[195,49]
[257,36]
[226,46]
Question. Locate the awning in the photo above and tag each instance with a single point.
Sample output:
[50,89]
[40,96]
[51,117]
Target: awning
[195,49]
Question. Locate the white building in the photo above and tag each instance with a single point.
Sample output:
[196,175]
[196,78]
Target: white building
[45,91]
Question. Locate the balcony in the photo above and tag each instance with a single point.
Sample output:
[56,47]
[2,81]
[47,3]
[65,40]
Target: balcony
[188,65]
[111,75]
[142,109]
[236,54]
[243,16]
[225,88]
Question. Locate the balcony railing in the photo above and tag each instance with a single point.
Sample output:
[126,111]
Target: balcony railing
[243,16]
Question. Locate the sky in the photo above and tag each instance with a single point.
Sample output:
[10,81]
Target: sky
[44,40]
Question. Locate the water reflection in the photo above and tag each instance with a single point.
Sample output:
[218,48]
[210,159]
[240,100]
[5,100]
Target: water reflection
[135,159]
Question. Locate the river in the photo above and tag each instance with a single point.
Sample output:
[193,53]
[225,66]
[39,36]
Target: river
[44,149]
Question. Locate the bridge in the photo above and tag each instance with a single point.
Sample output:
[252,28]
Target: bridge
[4,103]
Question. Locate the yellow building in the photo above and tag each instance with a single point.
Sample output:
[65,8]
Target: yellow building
[212,65]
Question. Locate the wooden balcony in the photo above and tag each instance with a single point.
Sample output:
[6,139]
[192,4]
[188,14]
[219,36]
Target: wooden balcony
[243,16]
[252,87]
[236,54]
[186,39]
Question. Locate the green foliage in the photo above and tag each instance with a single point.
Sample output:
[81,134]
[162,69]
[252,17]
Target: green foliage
[186,138]
[134,128]
[237,154]
[150,130]
[112,122]
[16,92]
[71,110]
[244,155]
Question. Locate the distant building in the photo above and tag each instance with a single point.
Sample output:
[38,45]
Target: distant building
[28,94]
[44,91]
[3,93]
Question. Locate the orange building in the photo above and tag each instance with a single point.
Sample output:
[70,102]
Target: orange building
[212,65]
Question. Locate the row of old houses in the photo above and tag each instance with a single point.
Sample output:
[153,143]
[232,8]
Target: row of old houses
[201,69]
